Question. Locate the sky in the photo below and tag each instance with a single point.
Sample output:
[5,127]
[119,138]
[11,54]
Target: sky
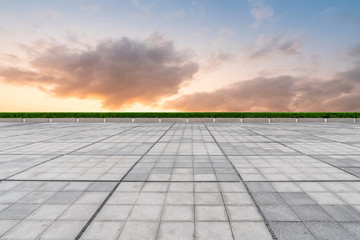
[179,55]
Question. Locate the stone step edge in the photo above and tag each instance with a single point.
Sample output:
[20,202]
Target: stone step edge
[224,120]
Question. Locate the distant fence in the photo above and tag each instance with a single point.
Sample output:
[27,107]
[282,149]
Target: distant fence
[184,120]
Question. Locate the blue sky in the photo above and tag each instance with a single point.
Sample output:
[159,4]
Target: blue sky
[230,42]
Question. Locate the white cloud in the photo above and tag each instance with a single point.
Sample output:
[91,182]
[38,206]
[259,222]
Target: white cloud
[89,6]
[260,12]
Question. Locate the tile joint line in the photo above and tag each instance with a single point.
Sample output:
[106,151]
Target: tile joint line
[247,189]
[114,189]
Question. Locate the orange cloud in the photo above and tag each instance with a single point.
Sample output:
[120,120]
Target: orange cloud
[282,93]
[117,72]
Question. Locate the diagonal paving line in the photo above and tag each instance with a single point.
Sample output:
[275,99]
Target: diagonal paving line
[311,156]
[334,166]
[247,189]
[45,130]
[27,144]
[20,124]
[68,152]
[223,199]
[58,180]
[116,186]
[314,155]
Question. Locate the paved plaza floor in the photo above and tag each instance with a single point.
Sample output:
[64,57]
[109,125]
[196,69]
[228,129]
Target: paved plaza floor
[168,181]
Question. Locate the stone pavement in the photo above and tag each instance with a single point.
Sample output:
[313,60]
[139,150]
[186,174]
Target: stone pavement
[180,181]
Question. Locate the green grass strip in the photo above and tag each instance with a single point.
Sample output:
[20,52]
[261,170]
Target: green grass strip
[179,114]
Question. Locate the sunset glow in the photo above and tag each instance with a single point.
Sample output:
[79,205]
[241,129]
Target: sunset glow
[164,55]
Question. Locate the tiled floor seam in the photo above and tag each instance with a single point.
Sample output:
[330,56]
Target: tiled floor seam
[114,189]
[225,206]
[20,124]
[247,190]
[174,181]
[162,211]
[58,180]
[130,212]
[68,152]
[306,154]
[27,216]
[314,156]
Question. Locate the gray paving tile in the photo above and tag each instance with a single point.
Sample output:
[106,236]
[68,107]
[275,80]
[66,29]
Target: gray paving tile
[244,213]
[18,211]
[139,230]
[210,213]
[213,230]
[176,231]
[311,213]
[184,198]
[268,199]
[47,212]
[291,230]
[103,230]
[178,213]
[208,199]
[297,198]
[260,187]
[79,212]
[114,212]
[6,225]
[328,231]
[146,213]
[279,213]
[27,229]
[250,231]
[186,188]
[63,230]
[342,212]
[353,228]
[64,198]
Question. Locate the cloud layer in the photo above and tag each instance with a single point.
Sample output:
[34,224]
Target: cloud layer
[282,93]
[270,45]
[260,11]
[117,72]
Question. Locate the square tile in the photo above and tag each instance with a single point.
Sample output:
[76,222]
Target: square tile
[176,231]
[178,213]
[213,230]
[139,231]
[328,230]
[145,213]
[208,199]
[27,229]
[103,230]
[63,230]
[291,230]
[250,231]
[210,213]
[278,213]
[244,213]
[311,213]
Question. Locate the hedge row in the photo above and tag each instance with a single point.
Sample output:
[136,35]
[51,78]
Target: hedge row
[179,114]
